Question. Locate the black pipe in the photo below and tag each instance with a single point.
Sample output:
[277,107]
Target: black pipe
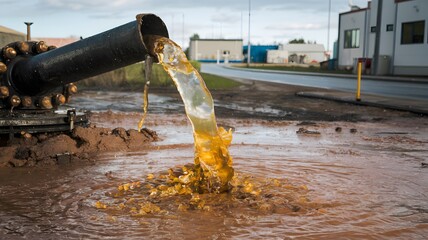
[104,52]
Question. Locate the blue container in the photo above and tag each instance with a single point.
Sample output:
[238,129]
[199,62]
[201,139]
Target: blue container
[258,52]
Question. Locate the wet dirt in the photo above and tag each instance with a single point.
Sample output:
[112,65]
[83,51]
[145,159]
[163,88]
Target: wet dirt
[81,144]
[361,176]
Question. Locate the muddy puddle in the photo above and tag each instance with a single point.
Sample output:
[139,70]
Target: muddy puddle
[336,180]
[131,102]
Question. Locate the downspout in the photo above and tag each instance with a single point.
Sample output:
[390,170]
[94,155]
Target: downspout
[338,42]
[392,67]
[366,35]
[377,40]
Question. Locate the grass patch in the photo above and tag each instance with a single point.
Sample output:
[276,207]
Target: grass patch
[132,77]
[215,82]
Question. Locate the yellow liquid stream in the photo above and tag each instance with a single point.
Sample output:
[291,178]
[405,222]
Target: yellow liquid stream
[145,106]
[211,142]
[147,76]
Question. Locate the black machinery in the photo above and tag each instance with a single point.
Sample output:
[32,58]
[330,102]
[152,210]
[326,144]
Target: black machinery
[35,78]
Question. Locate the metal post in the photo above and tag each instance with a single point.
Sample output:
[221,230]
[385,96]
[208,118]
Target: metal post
[249,34]
[182,31]
[375,64]
[328,33]
[358,95]
[28,30]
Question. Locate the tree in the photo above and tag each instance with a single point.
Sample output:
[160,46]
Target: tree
[298,41]
[195,36]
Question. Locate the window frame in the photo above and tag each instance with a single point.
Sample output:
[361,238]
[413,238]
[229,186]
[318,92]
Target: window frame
[354,38]
[411,28]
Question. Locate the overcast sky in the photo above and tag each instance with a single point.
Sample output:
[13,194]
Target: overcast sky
[272,21]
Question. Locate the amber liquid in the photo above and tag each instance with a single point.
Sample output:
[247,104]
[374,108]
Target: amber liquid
[211,142]
[145,106]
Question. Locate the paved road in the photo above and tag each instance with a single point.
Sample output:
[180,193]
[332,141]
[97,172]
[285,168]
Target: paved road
[399,89]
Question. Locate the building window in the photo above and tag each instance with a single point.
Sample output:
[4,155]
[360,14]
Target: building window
[413,32]
[352,38]
[373,29]
[390,27]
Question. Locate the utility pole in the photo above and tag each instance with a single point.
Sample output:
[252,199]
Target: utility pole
[375,64]
[328,34]
[182,33]
[249,34]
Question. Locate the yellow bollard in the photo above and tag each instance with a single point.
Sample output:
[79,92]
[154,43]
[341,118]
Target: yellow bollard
[358,97]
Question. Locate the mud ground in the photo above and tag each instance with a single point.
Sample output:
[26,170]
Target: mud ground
[272,101]
[83,144]
[250,101]
[325,170]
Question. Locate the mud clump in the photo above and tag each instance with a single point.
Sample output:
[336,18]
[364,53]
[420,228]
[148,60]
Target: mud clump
[80,144]
[305,131]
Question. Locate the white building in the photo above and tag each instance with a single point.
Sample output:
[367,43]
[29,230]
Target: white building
[216,50]
[297,53]
[389,35]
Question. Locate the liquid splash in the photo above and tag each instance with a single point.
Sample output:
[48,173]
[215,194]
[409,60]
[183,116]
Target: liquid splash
[213,165]
[147,76]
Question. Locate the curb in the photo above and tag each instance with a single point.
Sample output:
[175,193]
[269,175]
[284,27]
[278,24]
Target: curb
[352,76]
[390,105]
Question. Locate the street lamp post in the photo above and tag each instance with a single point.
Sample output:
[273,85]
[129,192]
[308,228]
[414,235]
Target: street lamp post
[328,33]
[249,34]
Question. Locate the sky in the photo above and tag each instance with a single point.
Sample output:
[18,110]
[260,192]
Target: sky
[272,21]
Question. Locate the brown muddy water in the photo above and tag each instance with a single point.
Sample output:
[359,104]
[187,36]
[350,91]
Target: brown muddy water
[323,183]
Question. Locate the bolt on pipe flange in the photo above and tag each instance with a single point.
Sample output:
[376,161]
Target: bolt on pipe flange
[60,99]
[9,52]
[72,89]
[4,92]
[26,101]
[14,101]
[3,68]
[41,47]
[23,47]
[46,103]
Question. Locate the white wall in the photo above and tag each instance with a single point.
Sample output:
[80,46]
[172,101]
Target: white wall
[415,55]
[204,49]
[277,56]
[406,59]
[348,21]
[316,56]
[387,38]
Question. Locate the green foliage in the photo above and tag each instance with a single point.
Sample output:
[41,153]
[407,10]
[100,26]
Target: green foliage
[116,78]
[196,65]
[195,36]
[298,41]
[215,82]
[133,76]
[134,73]
[302,41]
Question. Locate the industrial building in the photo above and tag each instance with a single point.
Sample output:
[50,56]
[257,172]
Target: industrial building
[389,36]
[297,53]
[258,52]
[8,35]
[216,50]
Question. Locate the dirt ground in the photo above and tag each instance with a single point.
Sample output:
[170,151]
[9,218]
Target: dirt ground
[272,101]
[315,169]
[252,100]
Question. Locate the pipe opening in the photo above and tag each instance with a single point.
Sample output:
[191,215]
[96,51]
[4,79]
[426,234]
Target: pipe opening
[151,25]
